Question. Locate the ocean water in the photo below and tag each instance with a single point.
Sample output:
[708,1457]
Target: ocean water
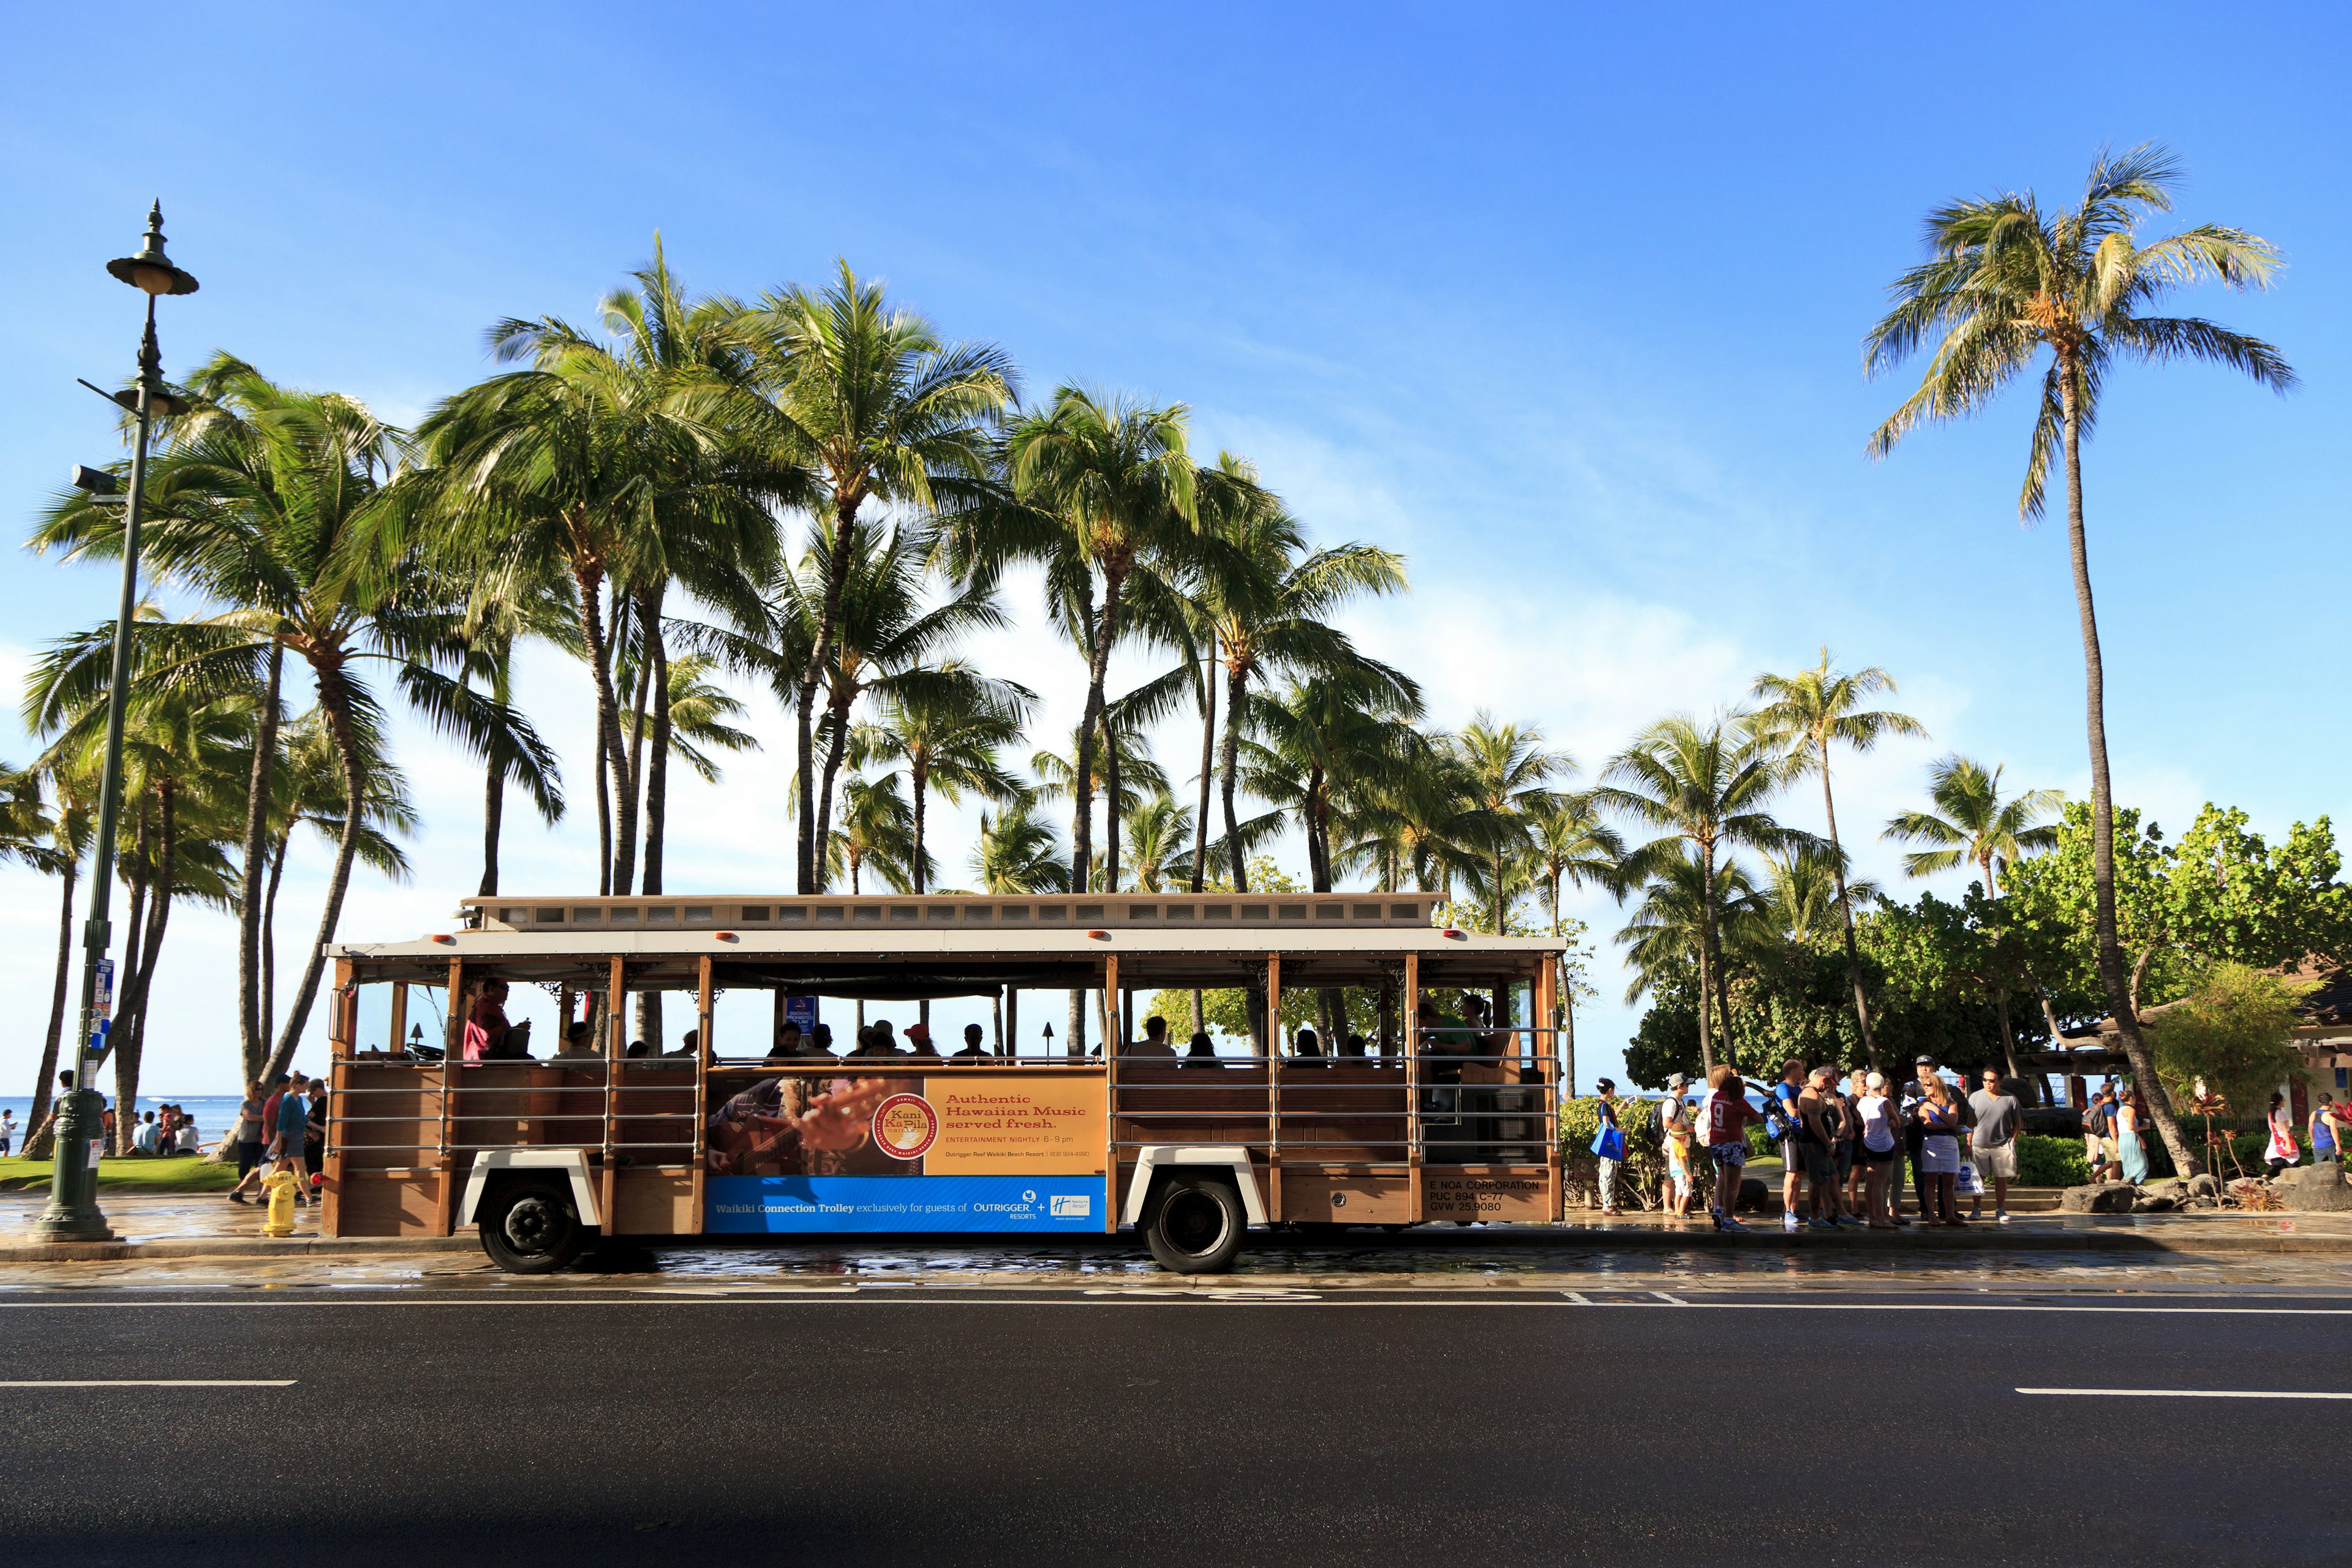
[213,1112]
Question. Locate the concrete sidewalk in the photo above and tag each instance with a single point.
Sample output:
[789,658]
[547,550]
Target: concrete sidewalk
[209,1225]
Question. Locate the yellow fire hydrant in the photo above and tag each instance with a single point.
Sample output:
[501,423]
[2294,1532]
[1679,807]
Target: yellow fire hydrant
[281,1185]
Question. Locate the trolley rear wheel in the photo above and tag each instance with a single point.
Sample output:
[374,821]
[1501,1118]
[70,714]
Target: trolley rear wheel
[1195,1223]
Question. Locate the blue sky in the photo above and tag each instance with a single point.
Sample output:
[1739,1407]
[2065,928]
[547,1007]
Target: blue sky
[1563,303]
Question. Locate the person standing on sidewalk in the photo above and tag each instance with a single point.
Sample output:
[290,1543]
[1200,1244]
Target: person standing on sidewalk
[293,1122]
[7,1133]
[1916,1093]
[1851,1165]
[1674,1131]
[1879,1147]
[1938,1121]
[1609,1168]
[1821,1116]
[1992,1144]
[1727,1116]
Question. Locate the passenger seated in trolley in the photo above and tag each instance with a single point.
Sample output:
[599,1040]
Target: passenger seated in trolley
[919,1043]
[788,1042]
[1351,1044]
[1201,1049]
[973,1051]
[1154,1042]
[1305,1045]
[577,1045]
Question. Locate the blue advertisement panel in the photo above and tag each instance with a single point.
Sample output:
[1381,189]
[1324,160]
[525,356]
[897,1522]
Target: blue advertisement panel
[802,1205]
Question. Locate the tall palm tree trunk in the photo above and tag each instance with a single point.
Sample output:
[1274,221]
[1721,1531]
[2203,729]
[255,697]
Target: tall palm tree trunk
[253,1035]
[920,776]
[837,747]
[658,766]
[135,1001]
[2103,819]
[55,1037]
[1228,763]
[1706,952]
[335,701]
[269,943]
[1110,806]
[611,762]
[1082,786]
[494,801]
[828,617]
[625,851]
[1845,914]
[1208,773]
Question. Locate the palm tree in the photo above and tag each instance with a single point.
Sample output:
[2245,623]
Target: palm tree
[632,464]
[1156,831]
[70,823]
[947,728]
[1508,772]
[890,413]
[2003,281]
[1806,711]
[1979,827]
[1568,842]
[267,501]
[890,637]
[877,830]
[1260,603]
[1971,823]
[699,709]
[1419,824]
[1702,787]
[489,660]
[1351,730]
[1113,490]
[1016,853]
[1681,920]
[1124,775]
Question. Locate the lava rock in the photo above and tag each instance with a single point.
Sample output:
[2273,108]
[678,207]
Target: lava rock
[2155,1205]
[2099,1197]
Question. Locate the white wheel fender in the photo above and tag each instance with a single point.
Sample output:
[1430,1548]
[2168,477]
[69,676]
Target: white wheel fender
[1165,1156]
[571,1163]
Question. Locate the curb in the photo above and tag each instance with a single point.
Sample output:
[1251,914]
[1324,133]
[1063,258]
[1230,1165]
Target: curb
[230,1247]
[1598,1238]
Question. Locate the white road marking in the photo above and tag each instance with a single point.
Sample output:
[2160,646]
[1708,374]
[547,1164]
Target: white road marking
[153,1383]
[2190,1393]
[1576,1297]
[1675,1301]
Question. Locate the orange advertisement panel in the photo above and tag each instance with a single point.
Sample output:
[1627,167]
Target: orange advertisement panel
[1012,1123]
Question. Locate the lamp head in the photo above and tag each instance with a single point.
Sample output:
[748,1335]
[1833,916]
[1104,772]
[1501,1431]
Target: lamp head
[151,270]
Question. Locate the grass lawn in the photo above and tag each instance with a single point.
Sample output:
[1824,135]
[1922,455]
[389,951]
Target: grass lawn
[186,1174]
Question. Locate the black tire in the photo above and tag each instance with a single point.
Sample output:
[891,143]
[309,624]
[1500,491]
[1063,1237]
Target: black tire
[530,1227]
[1195,1223]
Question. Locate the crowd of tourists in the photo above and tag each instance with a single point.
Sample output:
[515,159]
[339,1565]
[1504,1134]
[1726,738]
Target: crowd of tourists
[1843,1139]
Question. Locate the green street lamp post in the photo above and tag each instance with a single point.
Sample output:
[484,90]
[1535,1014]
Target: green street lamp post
[73,1213]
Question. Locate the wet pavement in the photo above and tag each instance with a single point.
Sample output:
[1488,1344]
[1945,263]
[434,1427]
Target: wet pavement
[2196,1254]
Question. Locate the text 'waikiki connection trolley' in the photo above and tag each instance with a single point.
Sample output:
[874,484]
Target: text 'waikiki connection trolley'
[1417,1111]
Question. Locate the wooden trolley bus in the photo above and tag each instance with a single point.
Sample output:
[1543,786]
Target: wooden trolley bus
[1440,1117]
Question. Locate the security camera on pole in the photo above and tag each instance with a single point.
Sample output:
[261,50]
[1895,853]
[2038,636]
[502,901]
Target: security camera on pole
[73,1212]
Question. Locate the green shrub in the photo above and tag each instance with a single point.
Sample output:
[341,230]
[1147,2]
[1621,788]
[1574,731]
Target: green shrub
[1645,1153]
[2051,1163]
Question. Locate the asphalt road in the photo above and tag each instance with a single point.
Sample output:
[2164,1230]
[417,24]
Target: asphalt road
[577,1424]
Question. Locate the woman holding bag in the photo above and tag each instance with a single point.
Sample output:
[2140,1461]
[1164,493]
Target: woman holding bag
[1609,1143]
[2283,1150]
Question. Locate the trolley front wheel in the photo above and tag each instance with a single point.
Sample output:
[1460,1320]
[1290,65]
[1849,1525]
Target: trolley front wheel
[531,1229]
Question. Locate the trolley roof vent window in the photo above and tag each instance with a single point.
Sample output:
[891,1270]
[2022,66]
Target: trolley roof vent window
[753,913]
[698,914]
[898,912]
[1254,911]
[939,911]
[587,917]
[666,916]
[547,917]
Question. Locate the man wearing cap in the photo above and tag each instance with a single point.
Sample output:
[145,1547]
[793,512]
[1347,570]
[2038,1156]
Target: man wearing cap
[1675,1127]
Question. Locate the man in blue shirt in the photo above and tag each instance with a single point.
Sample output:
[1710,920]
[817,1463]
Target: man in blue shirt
[293,1121]
[1790,1087]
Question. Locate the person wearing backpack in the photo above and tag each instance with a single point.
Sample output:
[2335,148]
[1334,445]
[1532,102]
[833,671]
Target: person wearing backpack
[1787,1125]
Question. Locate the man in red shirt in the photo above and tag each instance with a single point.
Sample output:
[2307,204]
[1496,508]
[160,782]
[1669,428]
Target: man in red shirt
[1724,1118]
